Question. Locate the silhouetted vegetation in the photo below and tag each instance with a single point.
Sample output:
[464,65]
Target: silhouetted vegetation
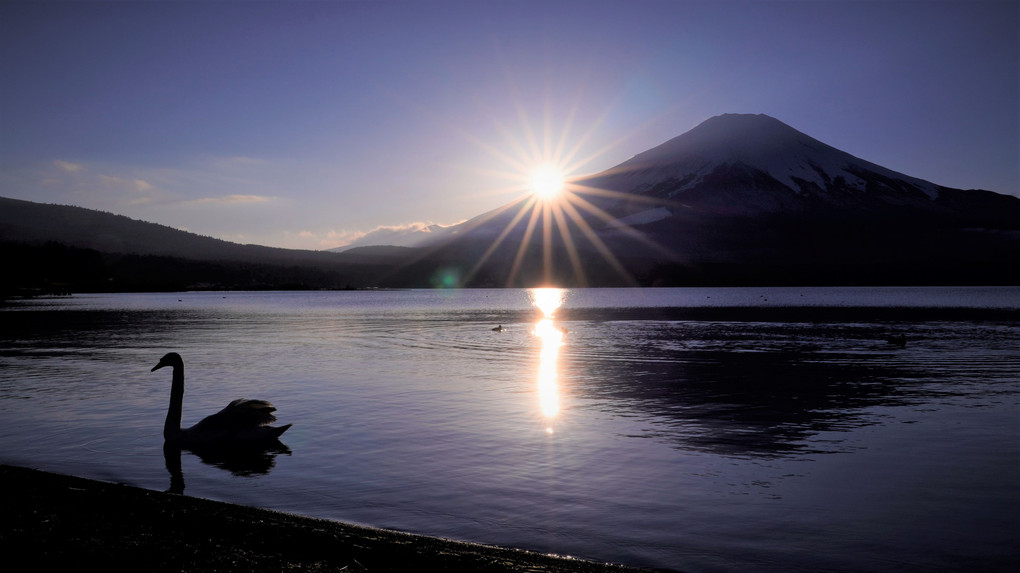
[55,249]
[53,268]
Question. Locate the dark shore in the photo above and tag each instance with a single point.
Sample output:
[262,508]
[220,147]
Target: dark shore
[51,521]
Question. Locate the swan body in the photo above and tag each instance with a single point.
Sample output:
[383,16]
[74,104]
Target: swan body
[241,421]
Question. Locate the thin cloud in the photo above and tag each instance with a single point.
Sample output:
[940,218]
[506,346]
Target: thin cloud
[238,160]
[134,184]
[348,236]
[335,239]
[230,200]
[68,166]
[409,234]
[315,240]
[413,227]
[416,227]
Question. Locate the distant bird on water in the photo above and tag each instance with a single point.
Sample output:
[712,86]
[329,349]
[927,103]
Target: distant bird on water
[498,328]
[242,421]
[897,339]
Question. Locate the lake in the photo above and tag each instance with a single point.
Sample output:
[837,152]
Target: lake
[710,429]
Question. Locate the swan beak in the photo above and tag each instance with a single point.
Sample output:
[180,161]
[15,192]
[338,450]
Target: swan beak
[158,366]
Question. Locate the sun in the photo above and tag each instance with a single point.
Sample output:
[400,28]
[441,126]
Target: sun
[547,181]
[554,226]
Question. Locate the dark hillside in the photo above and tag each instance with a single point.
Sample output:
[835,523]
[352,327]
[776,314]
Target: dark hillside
[37,223]
[55,248]
[53,268]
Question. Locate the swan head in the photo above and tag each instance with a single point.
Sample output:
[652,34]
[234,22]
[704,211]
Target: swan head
[171,359]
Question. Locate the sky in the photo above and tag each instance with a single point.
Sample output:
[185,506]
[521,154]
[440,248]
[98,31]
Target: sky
[306,124]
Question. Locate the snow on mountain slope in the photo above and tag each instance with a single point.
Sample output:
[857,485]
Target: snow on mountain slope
[756,152]
[642,217]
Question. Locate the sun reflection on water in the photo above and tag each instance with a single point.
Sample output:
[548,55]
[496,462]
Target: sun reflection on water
[548,300]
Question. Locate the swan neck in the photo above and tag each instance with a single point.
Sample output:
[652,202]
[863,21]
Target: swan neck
[172,427]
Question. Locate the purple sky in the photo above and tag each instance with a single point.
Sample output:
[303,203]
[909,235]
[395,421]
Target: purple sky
[304,124]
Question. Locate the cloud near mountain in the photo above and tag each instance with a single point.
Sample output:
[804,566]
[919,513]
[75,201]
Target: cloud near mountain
[411,234]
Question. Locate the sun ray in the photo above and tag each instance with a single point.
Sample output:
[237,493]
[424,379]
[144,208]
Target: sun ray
[521,162]
[547,145]
[469,226]
[561,145]
[563,157]
[547,252]
[574,220]
[570,164]
[619,140]
[610,194]
[622,227]
[529,131]
[599,245]
[523,247]
[525,209]
[568,244]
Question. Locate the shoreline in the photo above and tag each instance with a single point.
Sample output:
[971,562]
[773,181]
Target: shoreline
[54,520]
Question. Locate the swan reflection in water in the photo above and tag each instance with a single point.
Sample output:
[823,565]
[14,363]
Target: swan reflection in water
[240,460]
[547,300]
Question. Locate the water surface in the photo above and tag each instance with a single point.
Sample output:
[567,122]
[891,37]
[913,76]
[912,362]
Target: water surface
[687,429]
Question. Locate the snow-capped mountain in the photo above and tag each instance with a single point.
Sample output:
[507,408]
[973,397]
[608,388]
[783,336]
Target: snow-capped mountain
[765,201]
[748,165]
[759,142]
[741,164]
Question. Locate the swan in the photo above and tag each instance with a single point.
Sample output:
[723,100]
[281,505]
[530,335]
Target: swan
[242,421]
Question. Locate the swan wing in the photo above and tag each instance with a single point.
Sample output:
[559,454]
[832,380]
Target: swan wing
[239,414]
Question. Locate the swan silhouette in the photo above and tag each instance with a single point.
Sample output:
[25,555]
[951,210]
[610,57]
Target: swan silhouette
[241,422]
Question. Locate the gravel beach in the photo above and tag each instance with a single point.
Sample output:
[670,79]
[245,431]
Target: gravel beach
[51,521]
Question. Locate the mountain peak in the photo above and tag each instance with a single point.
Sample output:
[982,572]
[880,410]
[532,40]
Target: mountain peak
[761,145]
[739,123]
[731,137]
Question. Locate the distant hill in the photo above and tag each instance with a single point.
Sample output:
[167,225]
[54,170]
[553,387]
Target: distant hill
[30,222]
[64,248]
